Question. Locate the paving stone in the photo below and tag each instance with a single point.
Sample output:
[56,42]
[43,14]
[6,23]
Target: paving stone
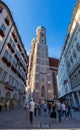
[45,125]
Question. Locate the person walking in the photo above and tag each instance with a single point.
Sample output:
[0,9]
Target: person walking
[63,108]
[39,109]
[69,113]
[53,112]
[58,107]
[35,109]
[1,105]
[45,108]
[31,110]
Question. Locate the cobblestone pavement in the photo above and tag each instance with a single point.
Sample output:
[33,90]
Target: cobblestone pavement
[19,119]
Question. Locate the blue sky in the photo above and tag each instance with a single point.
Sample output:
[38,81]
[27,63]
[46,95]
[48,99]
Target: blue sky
[54,15]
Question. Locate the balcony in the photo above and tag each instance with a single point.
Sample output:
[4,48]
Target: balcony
[7,21]
[19,47]
[14,37]
[8,64]
[23,54]
[11,48]
[16,56]
[5,60]
[1,33]
[13,69]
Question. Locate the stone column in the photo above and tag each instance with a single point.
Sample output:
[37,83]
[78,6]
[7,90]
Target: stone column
[73,98]
[78,97]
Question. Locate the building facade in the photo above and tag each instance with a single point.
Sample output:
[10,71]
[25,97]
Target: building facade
[69,67]
[39,78]
[13,61]
[53,66]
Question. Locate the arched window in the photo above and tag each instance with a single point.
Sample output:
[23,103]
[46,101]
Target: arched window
[42,91]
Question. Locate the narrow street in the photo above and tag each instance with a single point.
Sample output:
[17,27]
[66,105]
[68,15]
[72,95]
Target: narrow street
[19,119]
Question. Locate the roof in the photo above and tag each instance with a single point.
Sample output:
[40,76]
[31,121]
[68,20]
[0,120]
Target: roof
[53,62]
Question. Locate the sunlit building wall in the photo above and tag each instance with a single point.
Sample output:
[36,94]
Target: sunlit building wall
[69,67]
[13,61]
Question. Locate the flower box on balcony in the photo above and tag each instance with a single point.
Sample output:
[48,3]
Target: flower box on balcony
[16,57]
[4,59]
[9,45]
[12,50]
[8,64]
[23,54]
[13,68]
[19,47]
[7,21]
[1,33]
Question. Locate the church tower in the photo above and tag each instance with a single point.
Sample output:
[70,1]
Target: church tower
[39,78]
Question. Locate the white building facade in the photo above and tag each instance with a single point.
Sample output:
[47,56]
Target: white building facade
[13,61]
[69,67]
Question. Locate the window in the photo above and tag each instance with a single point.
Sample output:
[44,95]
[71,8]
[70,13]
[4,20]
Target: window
[42,34]
[1,9]
[1,70]
[9,81]
[5,53]
[4,76]
[3,28]
[9,57]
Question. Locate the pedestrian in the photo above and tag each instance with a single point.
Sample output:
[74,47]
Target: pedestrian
[39,109]
[58,107]
[69,113]
[63,108]
[53,112]
[31,110]
[1,106]
[49,108]
[35,109]
[45,108]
